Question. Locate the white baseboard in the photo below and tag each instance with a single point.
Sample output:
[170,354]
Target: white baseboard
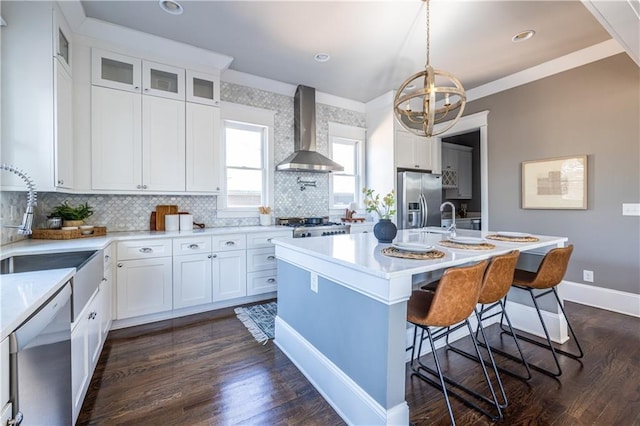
[602,298]
[525,318]
[350,401]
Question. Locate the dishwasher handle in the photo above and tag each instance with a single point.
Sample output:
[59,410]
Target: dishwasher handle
[39,321]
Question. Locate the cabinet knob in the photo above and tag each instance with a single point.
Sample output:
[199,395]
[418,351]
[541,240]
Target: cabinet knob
[193,246]
[144,187]
[107,257]
[60,182]
[146,250]
[271,280]
[210,256]
[214,256]
[146,89]
[139,186]
[104,279]
[230,243]
[271,258]
[269,240]
[417,166]
[120,265]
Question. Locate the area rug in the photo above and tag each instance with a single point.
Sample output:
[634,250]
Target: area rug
[259,320]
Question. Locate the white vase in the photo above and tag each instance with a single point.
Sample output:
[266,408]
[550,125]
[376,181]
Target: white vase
[265,219]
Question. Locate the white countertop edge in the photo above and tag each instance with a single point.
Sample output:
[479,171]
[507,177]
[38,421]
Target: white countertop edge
[37,246]
[43,285]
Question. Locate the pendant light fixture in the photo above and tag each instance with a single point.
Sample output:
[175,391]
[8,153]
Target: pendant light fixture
[429,97]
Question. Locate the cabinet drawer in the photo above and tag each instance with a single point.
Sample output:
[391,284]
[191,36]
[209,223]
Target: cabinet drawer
[229,242]
[191,245]
[262,282]
[263,239]
[4,372]
[145,249]
[261,259]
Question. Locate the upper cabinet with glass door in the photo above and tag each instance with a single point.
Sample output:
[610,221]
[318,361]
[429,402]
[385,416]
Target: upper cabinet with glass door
[116,71]
[162,80]
[203,88]
[62,42]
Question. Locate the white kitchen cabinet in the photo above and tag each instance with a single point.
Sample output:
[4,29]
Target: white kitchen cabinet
[32,114]
[261,259]
[4,379]
[63,126]
[116,139]
[262,282]
[192,277]
[457,165]
[109,69]
[229,270]
[415,152]
[107,294]
[202,148]
[362,227]
[94,330]
[264,239]
[144,286]
[163,144]
[80,366]
[203,88]
[163,80]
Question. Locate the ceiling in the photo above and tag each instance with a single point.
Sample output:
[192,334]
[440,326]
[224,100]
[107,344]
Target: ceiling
[374,45]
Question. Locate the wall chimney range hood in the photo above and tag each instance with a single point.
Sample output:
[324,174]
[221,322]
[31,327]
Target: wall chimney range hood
[305,158]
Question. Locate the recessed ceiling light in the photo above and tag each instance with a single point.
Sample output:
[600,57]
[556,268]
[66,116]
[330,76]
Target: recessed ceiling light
[322,57]
[170,6]
[522,36]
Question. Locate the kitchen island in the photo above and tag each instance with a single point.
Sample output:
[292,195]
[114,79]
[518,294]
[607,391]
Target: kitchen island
[342,314]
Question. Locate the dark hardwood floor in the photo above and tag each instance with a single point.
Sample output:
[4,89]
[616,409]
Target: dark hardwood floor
[206,369]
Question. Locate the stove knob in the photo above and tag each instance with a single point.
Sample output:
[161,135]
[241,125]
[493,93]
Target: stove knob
[342,232]
[333,232]
[308,234]
[324,233]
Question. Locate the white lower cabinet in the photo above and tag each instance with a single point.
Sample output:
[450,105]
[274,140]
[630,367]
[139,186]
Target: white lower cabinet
[5,404]
[192,280]
[262,282]
[144,286]
[229,271]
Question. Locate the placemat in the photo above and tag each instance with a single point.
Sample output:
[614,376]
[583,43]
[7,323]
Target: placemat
[481,246]
[426,255]
[529,239]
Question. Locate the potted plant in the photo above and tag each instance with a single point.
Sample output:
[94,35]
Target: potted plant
[71,216]
[385,230]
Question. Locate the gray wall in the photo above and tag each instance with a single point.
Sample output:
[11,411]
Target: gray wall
[592,110]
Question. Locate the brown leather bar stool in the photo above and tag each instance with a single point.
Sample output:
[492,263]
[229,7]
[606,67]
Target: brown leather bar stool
[496,283]
[549,274]
[451,304]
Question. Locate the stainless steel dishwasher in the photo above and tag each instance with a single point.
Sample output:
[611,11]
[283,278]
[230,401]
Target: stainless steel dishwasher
[40,364]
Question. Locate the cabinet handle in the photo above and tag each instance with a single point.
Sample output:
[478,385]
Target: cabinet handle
[271,258]
[146,250]
[139,186]
[417,166]
[269,240]
[93,315]
[229,243]
[107,257]
[271,280]
[193,246]
[214,256]
[120,265]
[144,186]
[146,89]
[60,182]
[210,257]
[104,279]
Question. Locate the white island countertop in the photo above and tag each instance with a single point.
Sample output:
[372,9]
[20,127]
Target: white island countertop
[362,252]
[23,293]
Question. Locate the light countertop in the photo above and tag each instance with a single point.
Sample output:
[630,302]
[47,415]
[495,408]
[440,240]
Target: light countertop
[22,294]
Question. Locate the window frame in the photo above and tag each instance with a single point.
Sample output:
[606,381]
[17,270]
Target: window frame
[358,136]
[249,116]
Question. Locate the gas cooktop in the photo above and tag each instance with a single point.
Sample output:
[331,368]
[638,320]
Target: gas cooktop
[313,227]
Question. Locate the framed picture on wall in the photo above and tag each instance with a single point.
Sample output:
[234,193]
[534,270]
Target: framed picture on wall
[555,183]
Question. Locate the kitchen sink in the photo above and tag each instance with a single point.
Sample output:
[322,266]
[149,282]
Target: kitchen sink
[89,271]
[41,262]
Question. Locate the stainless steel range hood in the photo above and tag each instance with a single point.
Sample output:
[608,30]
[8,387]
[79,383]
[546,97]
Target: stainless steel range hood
[305,158]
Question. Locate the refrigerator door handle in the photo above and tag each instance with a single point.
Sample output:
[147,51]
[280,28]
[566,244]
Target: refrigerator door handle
[423,211]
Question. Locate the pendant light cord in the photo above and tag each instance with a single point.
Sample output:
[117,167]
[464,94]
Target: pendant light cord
[428,36]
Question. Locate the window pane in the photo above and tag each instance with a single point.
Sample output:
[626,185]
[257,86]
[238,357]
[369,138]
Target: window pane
[244,188]
[243,147]
[344,188]
[345,155]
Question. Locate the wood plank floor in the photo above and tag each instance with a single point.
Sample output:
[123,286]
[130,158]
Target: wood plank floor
[206,369]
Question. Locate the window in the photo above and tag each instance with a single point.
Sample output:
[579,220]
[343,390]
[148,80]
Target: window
[247,144]
[347,149]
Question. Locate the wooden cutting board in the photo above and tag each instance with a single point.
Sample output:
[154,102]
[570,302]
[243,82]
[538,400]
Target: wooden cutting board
[161,212]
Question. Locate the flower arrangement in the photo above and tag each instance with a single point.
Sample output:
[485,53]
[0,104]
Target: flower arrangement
[384,208]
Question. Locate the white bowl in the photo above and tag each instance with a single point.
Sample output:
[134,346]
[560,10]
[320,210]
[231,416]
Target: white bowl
[86,229]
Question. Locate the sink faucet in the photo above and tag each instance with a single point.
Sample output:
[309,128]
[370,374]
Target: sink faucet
[25,227]
[452,227]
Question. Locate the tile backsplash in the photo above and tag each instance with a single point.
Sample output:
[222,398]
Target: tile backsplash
[131,212]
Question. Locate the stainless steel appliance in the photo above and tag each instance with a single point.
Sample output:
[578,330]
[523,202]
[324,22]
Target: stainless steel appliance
[419,199]
[40,364]
[313,227]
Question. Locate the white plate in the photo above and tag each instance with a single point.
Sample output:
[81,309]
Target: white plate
[513,234]
[467,240]
[412,247]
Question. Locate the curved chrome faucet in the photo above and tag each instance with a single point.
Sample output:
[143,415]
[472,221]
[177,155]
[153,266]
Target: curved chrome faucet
[25,227]
[452,227]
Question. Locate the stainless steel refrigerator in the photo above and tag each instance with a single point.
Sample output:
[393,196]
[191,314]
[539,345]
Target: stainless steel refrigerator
[419,199]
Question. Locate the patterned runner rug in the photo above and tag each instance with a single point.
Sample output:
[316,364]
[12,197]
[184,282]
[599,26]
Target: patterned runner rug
[259,320]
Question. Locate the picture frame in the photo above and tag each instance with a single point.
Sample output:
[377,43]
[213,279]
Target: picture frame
[555,183]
